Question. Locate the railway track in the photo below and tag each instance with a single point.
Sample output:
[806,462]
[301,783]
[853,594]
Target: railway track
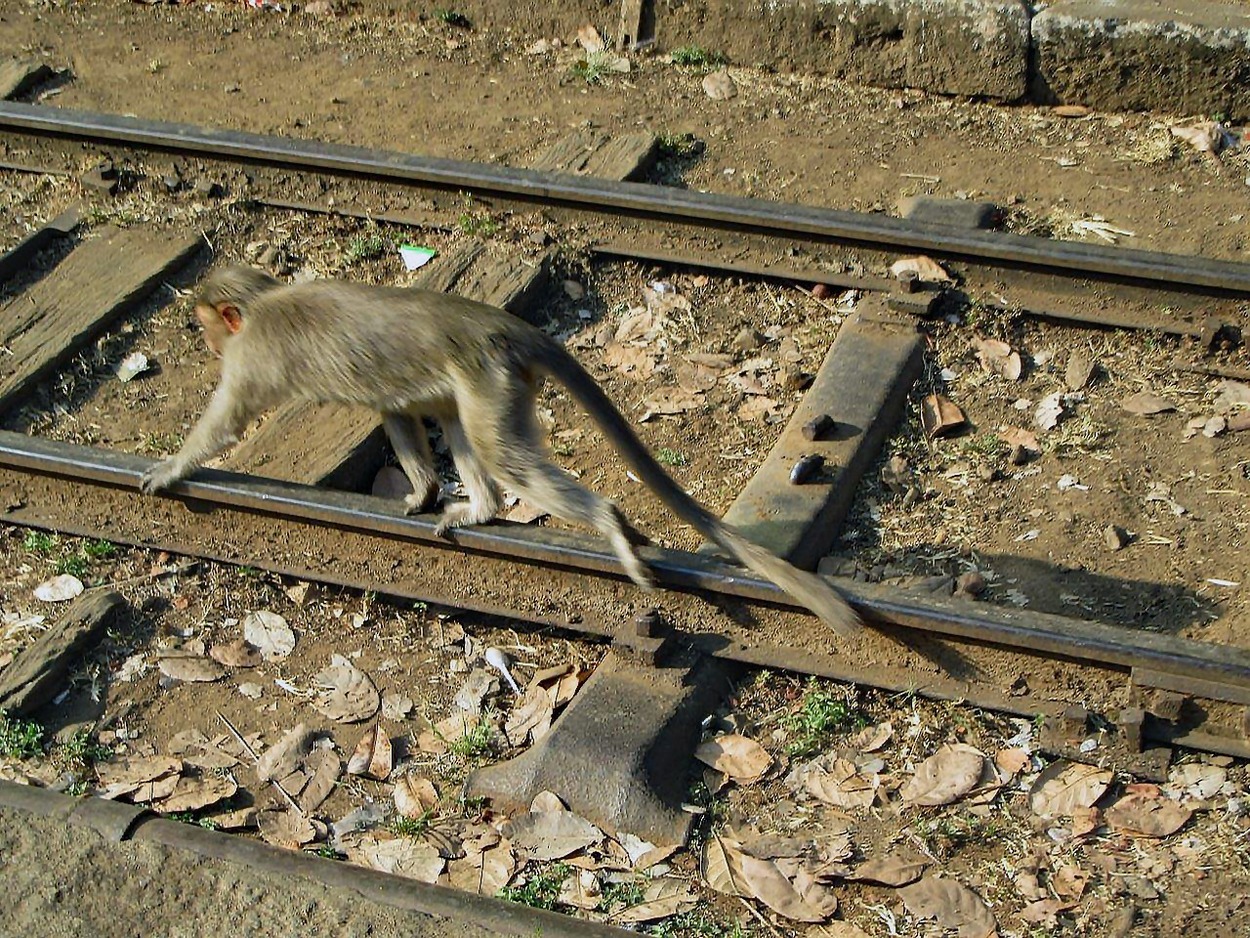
[1155,687]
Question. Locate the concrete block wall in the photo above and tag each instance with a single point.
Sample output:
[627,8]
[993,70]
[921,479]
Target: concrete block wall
[1179,56]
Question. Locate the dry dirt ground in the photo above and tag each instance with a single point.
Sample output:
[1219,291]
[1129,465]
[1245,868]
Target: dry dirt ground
[406,80]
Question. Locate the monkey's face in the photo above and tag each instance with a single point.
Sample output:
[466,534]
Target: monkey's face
[220,323]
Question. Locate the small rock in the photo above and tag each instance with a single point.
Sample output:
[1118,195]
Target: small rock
[821,291]
[988,473]
[209,189]
[1019,455]
[747,340]
[1115,537]
[574,290]
[719,86]
[1080,370]
[970,585]
[1214,427]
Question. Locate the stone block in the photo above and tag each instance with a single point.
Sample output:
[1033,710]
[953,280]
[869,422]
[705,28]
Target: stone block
[1183,57]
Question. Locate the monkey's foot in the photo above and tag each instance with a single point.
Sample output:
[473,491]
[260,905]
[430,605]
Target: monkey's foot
[420,501]
[462,514]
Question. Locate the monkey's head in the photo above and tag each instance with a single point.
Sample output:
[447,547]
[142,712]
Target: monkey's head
[223,299]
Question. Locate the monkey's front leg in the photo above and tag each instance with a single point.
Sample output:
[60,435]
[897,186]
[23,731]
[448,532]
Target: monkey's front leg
[222,423]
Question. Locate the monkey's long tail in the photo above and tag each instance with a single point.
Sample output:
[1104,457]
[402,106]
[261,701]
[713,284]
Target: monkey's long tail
[808,588]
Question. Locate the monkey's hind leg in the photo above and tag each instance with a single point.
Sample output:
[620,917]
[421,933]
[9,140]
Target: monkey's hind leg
[412,449]
[484,497]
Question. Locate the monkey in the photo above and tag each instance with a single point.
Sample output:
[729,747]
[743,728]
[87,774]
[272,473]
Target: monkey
[476,370]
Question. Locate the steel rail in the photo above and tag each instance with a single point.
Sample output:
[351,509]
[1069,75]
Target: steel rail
[1039,633]
[636,199]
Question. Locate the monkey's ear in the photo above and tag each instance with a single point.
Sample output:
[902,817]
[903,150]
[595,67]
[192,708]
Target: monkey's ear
[230,316]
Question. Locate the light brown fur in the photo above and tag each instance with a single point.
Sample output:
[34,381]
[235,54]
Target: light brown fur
[408,354]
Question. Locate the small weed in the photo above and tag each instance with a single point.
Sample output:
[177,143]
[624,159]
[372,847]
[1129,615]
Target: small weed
[477,224]
[698,923]
[623,893]
[670,457]
[594,68]
[80,752]
[74,564]
[160,444]
[20,739]
[326,852]
[188,817]
[985,447]
[100,550]
[40,542]
[156,65]
[453,18]
[563,449]
[365,248]
[475,741]
[541,889]
[693,56]
[821,713]
[406,826]
[945,835]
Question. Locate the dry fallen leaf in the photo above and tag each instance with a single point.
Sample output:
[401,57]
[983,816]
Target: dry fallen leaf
[1145,814]
[285,828]
[742,759]
[286,755]
[948,774]
[550,835]
[661,898]
[414,795]
[484,873]
[1045,911]
[403,857]
[326,767]
[191,668]
[837,929]
[347,694]
[894,869]
[872,738]
[834,781]
[269,634]
[1146,403]
[122,776]
[720,866]
[1013,761]
[372,755]
[951,904]
[192,794]
[1065,787]
[530,717]
[940,416]
[926,269]
[582,890]
[997,357]
[236,654]
[763,880]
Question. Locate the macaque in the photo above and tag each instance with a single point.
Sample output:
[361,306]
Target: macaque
[476,370]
